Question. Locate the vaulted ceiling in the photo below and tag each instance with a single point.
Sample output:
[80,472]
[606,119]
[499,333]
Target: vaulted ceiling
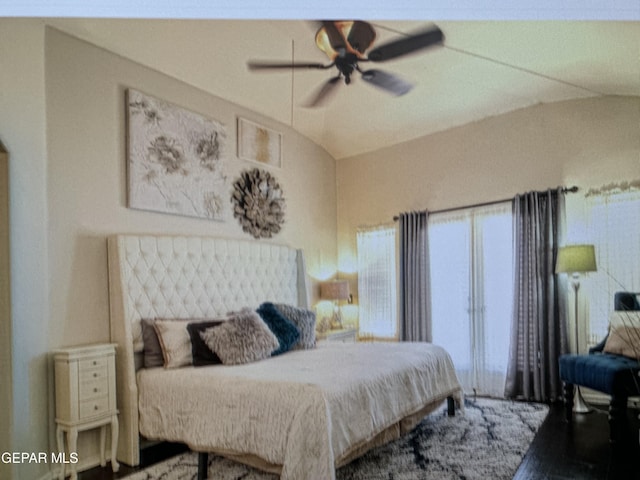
[484,68]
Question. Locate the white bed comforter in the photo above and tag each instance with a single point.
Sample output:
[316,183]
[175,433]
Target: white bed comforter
[302,410]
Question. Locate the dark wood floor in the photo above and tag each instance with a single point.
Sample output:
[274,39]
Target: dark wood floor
[581,450]
[560,451]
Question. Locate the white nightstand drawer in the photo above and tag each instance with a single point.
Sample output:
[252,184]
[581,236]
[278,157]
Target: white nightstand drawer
[94,388]
[91,363]
[96,406]
[87,375]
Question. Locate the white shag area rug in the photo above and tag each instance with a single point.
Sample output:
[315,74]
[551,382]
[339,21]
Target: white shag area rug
[487,441]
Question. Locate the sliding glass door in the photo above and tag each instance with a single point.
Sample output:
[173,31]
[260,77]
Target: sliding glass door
[471,258]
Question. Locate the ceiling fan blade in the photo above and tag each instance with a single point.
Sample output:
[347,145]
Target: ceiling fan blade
[404,46]
[386,81]
[361,36]
[336,38]
[325,92]
[285,65]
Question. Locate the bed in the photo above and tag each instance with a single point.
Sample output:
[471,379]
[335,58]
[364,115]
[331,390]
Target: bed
[301,414]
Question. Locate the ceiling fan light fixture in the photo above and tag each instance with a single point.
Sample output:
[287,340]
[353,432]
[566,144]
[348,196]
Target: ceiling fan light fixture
[324,42]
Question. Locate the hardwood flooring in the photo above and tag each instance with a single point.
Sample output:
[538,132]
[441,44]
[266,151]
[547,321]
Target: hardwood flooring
[581,450]
[560,451]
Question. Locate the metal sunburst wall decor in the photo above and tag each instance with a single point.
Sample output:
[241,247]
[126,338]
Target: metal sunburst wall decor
[258,203]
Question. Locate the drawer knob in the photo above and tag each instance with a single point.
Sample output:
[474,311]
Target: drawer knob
[95,374]
[95,362]
[95,390]
[95,407]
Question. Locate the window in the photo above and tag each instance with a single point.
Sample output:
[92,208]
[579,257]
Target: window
[613,222]
[471,261]
[377,282]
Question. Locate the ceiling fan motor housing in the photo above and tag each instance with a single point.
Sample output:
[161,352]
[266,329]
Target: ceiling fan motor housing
[347,64]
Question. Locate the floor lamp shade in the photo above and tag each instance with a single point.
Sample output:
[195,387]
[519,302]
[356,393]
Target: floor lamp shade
[576,259]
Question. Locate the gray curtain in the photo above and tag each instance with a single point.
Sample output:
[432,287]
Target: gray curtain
[538,331]
[415,291]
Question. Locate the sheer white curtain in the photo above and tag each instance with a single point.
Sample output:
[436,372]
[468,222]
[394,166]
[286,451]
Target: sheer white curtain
[377,291]
[613,221]
[471,258]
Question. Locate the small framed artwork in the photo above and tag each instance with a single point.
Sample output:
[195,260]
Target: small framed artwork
[259,144]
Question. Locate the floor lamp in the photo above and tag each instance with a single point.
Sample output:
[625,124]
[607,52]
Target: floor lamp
[574,260]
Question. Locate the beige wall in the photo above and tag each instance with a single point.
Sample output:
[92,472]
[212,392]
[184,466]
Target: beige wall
[64,128]
[587,143]
[86,181]
[23,133]
[62,121]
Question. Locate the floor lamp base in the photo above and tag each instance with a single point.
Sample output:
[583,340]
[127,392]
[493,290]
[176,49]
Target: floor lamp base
[579,405]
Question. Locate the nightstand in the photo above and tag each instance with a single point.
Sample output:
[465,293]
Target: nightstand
[85,382]
[344,335]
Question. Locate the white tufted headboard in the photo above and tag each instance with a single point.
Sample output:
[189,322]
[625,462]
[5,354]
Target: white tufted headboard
[187,277]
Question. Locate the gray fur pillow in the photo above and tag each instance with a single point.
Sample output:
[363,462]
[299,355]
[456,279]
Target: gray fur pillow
[243,338]
[305,320]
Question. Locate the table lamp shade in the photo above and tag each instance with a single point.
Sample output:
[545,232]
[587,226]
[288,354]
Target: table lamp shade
[576,259]
[334,290]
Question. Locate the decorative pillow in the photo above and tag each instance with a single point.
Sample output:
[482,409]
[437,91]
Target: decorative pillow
[243,338]
[305,320]
[286,332]
[152,351]
[175,343]
[624,334]
[153,355]
[201,353]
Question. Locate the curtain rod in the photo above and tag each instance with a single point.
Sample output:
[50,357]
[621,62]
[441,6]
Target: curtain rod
[573,189]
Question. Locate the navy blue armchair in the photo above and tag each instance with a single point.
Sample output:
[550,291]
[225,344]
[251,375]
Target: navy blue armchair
[615,375]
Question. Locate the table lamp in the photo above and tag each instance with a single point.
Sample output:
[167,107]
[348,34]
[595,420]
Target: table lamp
[335,291]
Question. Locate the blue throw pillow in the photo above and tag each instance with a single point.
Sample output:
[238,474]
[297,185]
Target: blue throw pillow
[305,320]
[285,330]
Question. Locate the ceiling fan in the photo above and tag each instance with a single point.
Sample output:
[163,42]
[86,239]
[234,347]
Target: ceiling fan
[346,44]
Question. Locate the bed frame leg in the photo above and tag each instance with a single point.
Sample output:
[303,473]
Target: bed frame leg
[451,407]
[203,463]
